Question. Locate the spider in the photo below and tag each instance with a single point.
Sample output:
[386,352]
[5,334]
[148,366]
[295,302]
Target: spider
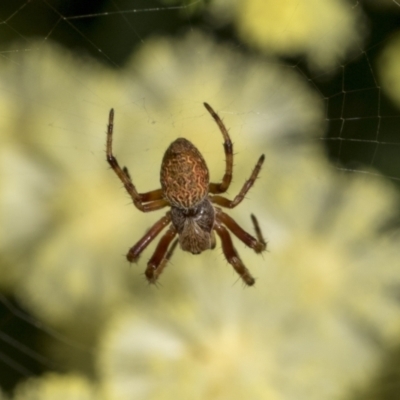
[185,187]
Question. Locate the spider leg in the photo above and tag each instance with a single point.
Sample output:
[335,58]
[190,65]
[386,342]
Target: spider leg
[258,245]
[135,251]
[224,202]
[228,147]
[165,260]
[159,255]
[154,197]
[232,255]
[213,241]
[257,229]
[148,196]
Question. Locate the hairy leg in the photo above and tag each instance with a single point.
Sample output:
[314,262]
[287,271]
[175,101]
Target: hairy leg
[159,254]
[228,147]
[155,196]
[164,262]
[257,229]
[137,249]
[232,255]
[223,202]
[258,245]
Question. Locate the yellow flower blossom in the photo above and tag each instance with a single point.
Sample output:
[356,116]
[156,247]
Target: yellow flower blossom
[52,386]
[322,31]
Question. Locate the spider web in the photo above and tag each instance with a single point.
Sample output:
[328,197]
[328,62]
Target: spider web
[359,138]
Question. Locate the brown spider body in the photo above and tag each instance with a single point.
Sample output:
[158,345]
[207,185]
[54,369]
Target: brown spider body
[186,188]
[184,180]
[184,174]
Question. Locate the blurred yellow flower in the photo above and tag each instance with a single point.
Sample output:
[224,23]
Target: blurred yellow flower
[324,32]
[52,386]
[389,69]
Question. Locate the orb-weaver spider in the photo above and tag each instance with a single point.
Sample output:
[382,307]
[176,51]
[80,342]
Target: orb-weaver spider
[185,187]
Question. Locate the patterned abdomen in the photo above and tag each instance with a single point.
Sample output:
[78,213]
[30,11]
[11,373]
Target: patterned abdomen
[184,174]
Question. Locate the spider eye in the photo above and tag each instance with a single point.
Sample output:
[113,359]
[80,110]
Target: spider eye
[192,212]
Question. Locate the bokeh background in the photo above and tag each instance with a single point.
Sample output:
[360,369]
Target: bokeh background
[312,85]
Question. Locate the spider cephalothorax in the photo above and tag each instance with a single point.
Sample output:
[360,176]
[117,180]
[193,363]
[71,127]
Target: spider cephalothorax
[186,188]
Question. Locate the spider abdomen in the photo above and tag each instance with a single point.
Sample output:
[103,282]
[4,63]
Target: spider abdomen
[184,174]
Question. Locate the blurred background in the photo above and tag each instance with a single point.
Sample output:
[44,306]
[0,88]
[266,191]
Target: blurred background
[315,86]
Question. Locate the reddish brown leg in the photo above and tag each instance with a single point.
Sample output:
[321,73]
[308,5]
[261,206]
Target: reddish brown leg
[257,229]
[159,254]
[165,260]
[223,202]
[231,254]
[258,245]
[148,196]
[137,249]
[228,147]
[123,175]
